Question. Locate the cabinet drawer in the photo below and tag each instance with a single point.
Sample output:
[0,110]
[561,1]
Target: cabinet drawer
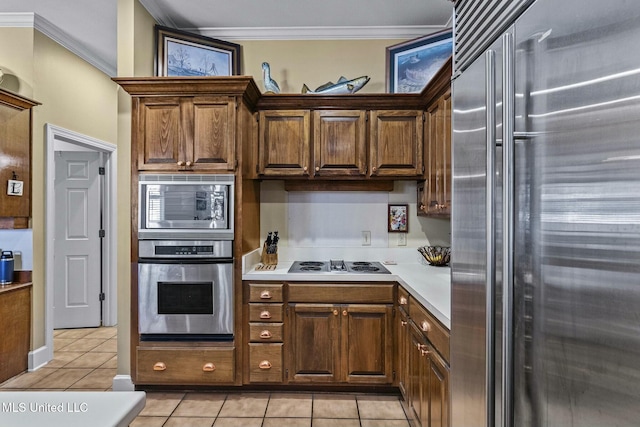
[265,363]
[265,332]
[265,312]
[259,292]
[341,293]
[430,327]
[185,366]
[403,299]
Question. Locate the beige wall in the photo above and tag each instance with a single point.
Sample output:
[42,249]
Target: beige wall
[16,60]
[316,62]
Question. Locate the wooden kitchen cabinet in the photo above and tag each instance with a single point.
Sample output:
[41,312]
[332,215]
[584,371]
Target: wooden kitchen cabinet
[341,333]
[427,373]
[185,365]
[15,151]
[435,199]
[284,143]
[339,143]
[15,318]
[266,332]
[341,343]
[395,143]
[181,133]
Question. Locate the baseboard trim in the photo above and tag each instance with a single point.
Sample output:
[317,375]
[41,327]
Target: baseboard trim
[123,383]
[39,357]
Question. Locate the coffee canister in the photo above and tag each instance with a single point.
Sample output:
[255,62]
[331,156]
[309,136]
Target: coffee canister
[6,268]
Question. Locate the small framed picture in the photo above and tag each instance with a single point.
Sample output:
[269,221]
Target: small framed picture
[179,53]
[411,64]
[399,218]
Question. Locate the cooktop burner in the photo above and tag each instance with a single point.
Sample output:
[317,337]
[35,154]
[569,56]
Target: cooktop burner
[338,266]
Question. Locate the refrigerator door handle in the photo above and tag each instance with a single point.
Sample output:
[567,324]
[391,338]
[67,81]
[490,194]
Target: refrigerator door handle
[508,148]
[491,142]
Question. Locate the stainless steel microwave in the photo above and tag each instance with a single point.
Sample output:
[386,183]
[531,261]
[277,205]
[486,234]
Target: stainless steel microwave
[186,206]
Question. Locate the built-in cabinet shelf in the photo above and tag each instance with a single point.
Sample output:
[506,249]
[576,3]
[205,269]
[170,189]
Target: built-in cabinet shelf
[15,150]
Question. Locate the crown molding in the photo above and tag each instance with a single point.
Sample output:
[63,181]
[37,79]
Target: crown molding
[33,20]
[317,33]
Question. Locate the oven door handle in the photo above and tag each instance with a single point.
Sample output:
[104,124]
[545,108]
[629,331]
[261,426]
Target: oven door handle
[185,261]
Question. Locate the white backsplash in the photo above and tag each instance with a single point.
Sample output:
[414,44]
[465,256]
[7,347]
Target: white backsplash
[20,242]
[316,222]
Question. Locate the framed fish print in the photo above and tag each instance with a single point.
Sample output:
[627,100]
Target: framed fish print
[398,218]
[410,65]
[180,53]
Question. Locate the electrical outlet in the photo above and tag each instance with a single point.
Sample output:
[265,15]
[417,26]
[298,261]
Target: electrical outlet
[402,239]
[366,238]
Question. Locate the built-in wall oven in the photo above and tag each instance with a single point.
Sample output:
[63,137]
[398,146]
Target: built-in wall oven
[185,206]
[185,290]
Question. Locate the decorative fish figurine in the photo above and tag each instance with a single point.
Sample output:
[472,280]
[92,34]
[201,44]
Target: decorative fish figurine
[270,85]
[343,87]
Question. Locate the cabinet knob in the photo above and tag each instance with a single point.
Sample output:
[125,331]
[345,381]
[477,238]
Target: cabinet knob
[403,301]
[424,352]
[425,326]
[374,169]
[335,312]
[422,206]
[209,367]
[344,312]
[189,164]
[265,315]
[159,366]
[265,364]
[180,163]
[306,169]
[265,335]
[317,168]
[265,295]
[403,322]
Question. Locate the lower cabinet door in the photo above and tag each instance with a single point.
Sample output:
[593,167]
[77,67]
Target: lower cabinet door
[185,366]
[265,363]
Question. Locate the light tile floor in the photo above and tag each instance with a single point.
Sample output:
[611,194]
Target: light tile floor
[85,359]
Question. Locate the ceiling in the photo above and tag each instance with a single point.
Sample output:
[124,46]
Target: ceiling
[88,28]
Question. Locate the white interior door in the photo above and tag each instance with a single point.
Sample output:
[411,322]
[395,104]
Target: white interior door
[77,254]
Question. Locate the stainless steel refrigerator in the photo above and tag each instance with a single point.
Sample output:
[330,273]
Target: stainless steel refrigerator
[546,222]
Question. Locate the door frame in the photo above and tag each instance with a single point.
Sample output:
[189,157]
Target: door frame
[58,138]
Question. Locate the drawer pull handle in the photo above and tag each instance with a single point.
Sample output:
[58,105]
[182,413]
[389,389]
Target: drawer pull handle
[265,295]
[403,301]
[265,315]
[265,334]
[159,366]
[209,367]
[265,364]
[425,326]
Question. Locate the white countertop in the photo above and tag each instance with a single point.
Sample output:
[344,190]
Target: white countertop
[429,285]
[70,409]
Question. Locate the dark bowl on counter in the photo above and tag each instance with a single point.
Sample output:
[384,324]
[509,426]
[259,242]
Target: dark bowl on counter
[438,256]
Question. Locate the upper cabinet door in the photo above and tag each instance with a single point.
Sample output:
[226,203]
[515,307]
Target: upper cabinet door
[186,134]
[214,125]
[437,191]
[284,148]
[396,143]
[340,144]
[159,133]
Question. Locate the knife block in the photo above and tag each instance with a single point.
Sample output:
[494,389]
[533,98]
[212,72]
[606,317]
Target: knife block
[268,259]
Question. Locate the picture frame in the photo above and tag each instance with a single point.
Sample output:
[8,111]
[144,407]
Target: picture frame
[398,218]
[180,53]
[411,64]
